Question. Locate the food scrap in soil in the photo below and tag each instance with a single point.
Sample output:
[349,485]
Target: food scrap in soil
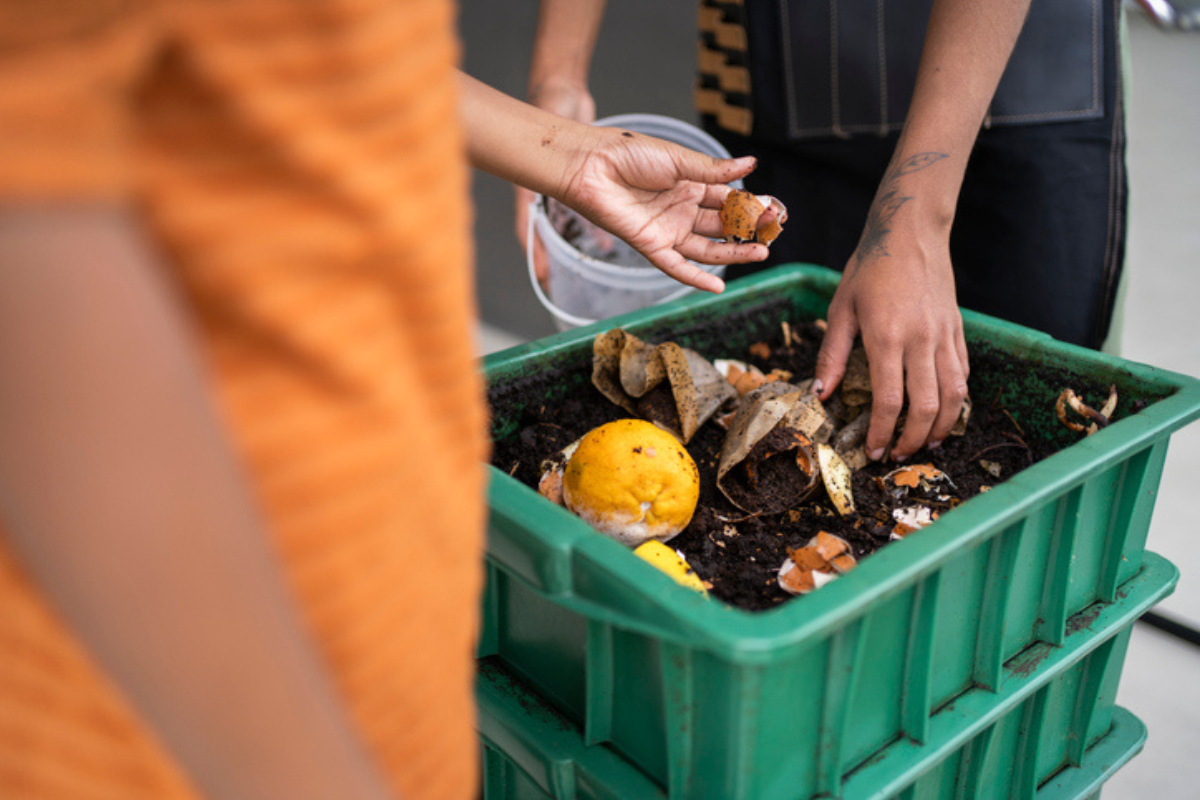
[738,554]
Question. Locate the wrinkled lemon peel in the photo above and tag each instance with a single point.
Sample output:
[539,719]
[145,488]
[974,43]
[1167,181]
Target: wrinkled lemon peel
[632,481]
[669,561]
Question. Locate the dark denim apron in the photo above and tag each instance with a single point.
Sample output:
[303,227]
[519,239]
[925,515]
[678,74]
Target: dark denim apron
[818,90]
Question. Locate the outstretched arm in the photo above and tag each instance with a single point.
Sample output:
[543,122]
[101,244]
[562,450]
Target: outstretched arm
[661,198]
[898,288]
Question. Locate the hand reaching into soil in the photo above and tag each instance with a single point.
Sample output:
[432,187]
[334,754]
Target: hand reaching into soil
[898,292]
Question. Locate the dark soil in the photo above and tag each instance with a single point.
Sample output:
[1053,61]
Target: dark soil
[1012,425]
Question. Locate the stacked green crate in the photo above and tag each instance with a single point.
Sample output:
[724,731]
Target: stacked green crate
[528,752]
[890,669]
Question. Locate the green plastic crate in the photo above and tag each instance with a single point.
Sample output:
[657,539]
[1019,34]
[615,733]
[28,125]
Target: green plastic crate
[1063,740]
[795,701]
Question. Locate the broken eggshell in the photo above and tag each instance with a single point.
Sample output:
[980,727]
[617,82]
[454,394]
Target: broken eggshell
[818,562]
[923,477]
[910,519]
[745,378]
[671,386]
[741,214]
[550,485]
[776,425]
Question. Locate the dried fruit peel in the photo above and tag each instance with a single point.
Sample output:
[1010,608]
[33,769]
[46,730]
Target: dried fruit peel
[632,481]
[838,479]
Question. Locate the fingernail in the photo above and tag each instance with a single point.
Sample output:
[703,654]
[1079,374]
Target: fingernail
[934,445]
[899,459]
[876,454]
[819,387]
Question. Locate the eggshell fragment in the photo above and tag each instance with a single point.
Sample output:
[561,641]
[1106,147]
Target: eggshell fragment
[817,563]
[550,485]
[911,519]
[770,232]
[740,214]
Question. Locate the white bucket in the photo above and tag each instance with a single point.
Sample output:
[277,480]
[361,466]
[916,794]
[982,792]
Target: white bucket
[582,289]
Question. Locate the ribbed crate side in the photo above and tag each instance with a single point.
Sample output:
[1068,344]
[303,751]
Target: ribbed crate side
[1025,593]
[640,701]
[1136,505]
[881,686]
[1102,714]
[785,730]
[544,643]
[1121,742]
[963,579]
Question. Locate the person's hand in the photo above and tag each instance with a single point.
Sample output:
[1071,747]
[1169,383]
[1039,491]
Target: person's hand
[661,198]
[566,99]
[898,292]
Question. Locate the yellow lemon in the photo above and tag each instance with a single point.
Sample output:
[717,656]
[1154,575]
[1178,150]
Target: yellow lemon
[632,481]
[670,562]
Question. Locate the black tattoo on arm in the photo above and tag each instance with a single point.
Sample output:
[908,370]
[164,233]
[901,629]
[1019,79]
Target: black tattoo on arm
[888,202]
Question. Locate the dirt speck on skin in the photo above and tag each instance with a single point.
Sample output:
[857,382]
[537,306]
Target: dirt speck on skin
[1012,426]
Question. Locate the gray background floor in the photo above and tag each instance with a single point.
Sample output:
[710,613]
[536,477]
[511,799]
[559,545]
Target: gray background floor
[644,63]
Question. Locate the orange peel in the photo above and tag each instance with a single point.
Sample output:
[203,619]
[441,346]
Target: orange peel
[632,481]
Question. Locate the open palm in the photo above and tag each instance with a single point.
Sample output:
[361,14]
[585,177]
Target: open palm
[663,200]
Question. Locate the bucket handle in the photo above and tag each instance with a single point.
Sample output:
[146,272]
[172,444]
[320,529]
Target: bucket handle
[565,316]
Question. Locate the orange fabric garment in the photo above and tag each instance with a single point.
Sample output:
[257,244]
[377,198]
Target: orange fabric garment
[302,167]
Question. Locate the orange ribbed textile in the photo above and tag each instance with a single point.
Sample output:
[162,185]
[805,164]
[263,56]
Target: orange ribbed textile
[303,168]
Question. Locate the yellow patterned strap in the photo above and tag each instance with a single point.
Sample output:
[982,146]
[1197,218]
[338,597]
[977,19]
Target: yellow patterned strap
[723,85]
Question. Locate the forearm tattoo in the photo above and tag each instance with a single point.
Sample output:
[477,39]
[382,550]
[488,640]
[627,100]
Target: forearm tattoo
[888,202]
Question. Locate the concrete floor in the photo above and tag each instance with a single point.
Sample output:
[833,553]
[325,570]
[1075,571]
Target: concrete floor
[644,62]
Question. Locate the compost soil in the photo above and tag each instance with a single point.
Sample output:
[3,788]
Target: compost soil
[739,554]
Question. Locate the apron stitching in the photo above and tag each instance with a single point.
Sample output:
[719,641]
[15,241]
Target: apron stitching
[788,73]
[883,76]
[836,110]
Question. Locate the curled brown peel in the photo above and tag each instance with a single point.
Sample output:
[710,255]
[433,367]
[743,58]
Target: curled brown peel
[1099,419]
[771,421]
[672,386]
